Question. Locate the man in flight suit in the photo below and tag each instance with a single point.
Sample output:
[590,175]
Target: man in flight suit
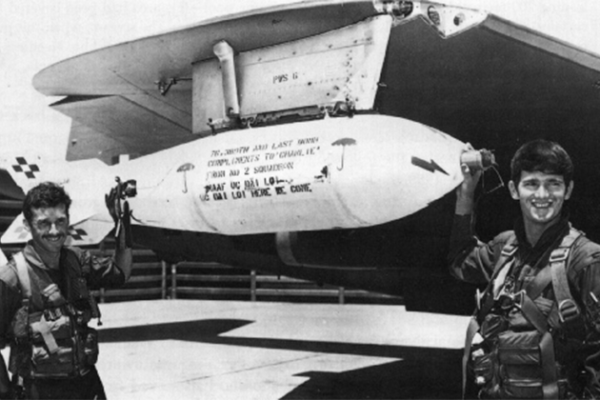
[45,302]
[535,333]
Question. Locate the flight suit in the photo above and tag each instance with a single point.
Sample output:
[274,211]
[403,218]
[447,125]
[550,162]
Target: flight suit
[53,351]
[576,349]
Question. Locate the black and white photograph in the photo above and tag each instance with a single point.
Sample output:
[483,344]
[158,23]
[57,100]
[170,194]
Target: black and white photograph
[288,199]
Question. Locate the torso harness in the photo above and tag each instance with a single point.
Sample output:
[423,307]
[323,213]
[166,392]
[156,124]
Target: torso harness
[516,356]
[51,336]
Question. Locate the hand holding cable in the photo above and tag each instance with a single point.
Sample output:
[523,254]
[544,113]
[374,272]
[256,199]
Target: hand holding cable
[118,208]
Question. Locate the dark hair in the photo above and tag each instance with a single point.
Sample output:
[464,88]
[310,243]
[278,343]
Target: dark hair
[542,156]
[44,195]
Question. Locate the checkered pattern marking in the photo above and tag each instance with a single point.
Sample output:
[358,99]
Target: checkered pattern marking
[28,169]
[77,234]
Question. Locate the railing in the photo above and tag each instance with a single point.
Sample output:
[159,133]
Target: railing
[155,279]
[148,280]
[207,280]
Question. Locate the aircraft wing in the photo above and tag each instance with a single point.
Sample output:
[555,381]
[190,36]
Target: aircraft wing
[113,95]
[117,99]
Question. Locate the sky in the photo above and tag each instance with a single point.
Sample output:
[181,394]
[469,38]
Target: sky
[37,33]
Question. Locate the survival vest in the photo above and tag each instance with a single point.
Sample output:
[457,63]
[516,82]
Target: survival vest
[515,354]
[51,338]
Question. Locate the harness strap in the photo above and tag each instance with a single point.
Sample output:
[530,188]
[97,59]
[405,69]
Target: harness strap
[42,326]
[532,313]
[508,252]
[565,305]
[501,277]
[505,260]
[567,308]
[504,263]
[549,376]
[32,282]
[45,329]
[472,330]
[539,283]
[501,269]
[23,274]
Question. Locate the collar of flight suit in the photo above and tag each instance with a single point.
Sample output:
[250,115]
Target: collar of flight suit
[550,239]
[33,258]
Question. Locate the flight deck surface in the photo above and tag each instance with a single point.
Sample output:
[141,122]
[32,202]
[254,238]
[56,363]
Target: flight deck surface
[192,349]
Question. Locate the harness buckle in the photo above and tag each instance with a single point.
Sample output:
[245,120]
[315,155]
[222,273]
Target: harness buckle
[567,310]
[559,255]
[509,250]
[519,299]
[507,300]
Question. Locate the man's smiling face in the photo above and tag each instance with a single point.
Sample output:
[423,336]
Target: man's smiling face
[49,228]
[541,196]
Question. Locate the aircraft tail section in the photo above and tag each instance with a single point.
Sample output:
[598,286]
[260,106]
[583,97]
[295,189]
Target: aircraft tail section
[24,170]
[8,188]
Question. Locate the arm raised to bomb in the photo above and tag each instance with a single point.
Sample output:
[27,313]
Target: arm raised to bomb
[118,207]
[473,163]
